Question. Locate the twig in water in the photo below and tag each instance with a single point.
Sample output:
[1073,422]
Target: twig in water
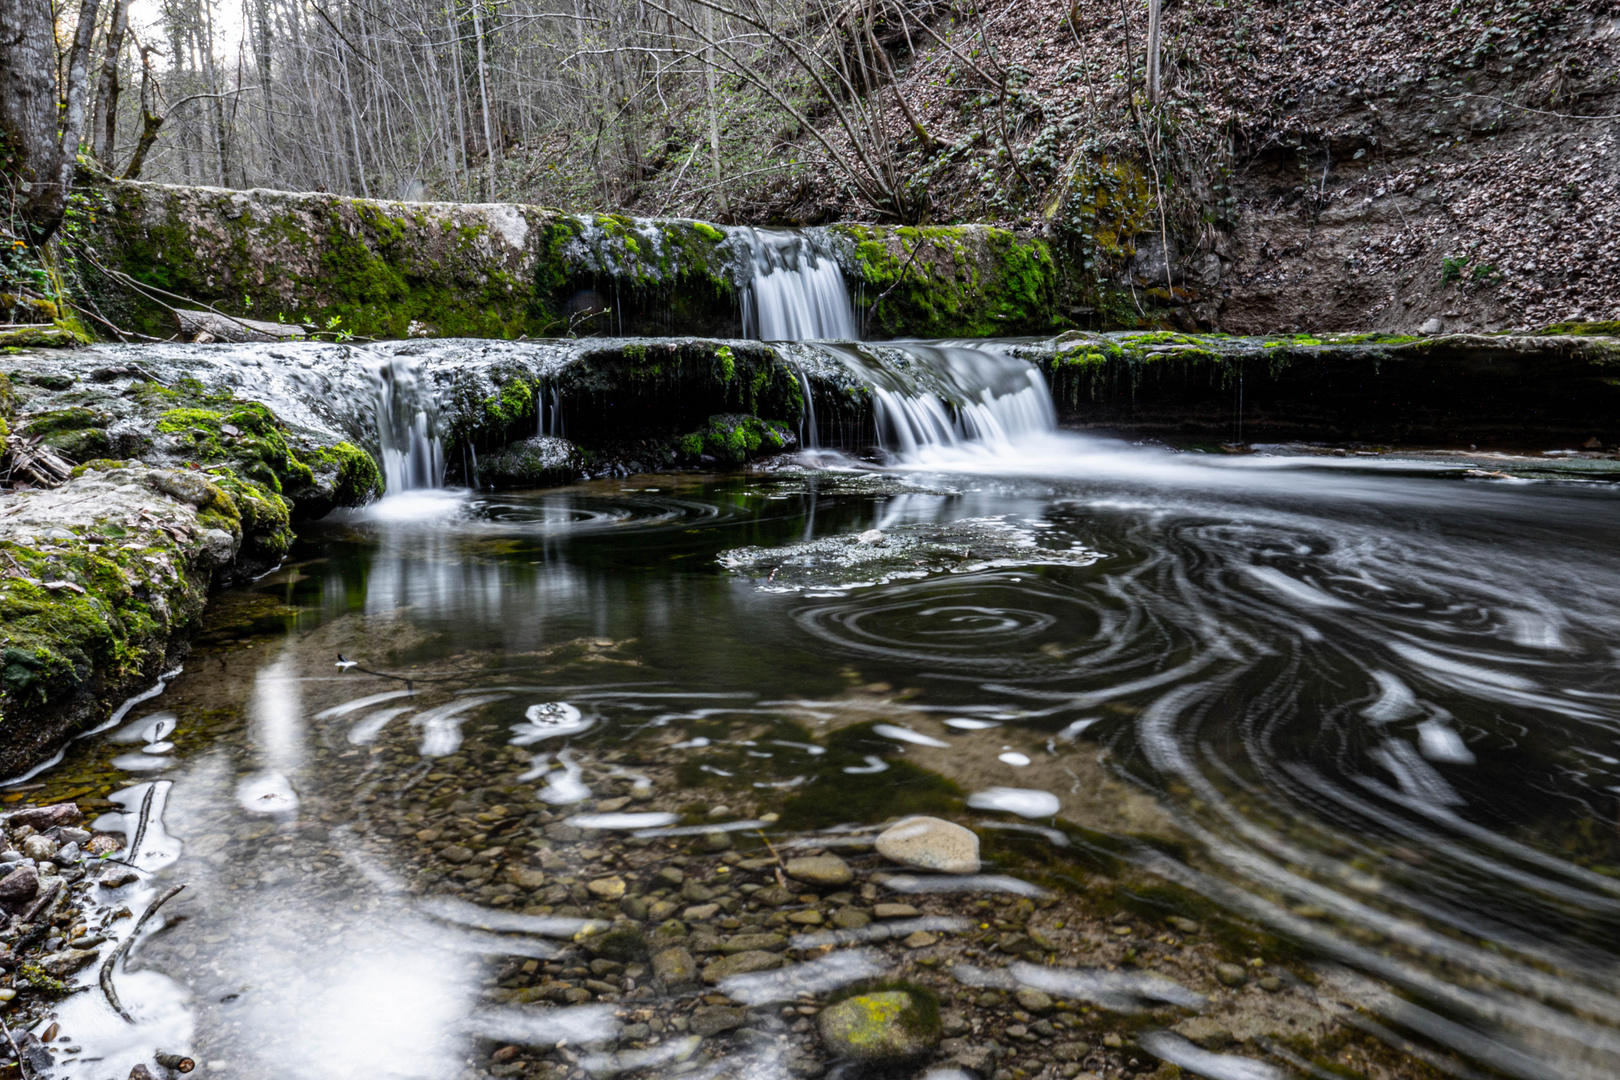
[140,829]
[15,1052]
[123,947]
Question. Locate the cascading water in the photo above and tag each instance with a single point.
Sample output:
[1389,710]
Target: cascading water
[949,396]
[925,396]
[797,292]
[407,427]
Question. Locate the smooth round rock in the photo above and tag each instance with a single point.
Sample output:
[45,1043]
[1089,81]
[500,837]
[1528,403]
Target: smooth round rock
[930,843]
[608,888]
[1231,974]
[820,870]
[885,1027]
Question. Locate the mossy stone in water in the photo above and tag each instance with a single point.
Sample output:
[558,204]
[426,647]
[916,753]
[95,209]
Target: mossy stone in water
[542,461]
[884,1027]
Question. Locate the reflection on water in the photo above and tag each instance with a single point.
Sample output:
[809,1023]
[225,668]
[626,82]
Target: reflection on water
[1373,712]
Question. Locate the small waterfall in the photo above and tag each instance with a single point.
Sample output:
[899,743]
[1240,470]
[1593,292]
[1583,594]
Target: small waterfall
[548,410]
[407,427]
[797,292]
[809,439]
[932,397]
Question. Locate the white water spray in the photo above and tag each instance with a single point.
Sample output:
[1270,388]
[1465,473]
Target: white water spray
[407,428]
[797,293]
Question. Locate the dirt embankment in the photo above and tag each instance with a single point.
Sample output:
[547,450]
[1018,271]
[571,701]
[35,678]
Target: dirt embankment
[1362,166]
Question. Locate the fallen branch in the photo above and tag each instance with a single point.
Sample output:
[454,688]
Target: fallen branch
[123,948]
[15,1052]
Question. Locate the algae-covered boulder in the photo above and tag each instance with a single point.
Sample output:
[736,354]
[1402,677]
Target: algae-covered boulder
[734,438]
[542,461]
[884,1027]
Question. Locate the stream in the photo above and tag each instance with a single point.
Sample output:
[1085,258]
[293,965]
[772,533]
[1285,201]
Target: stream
[1367,708]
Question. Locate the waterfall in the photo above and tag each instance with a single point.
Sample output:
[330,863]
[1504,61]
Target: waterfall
[407,427]
[797,292]
[945,396]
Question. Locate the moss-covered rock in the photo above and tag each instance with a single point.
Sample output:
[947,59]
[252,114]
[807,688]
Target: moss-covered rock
[882,1027]
[1450,389]
[950,281]
[377,269]
[40,337]
[97,580]
[735,438]
[542,461]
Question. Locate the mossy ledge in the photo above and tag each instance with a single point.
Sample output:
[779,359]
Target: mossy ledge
[1526,390]
[176,488]
[380,269]
[950,281]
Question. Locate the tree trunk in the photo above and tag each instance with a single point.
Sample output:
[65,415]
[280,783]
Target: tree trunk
[107,92]
[151,122]
[44,154]
[1153,51]
[28,104]
[714,115]
[483,97]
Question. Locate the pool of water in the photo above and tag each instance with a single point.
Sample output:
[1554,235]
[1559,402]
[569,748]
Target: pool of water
[1364,713]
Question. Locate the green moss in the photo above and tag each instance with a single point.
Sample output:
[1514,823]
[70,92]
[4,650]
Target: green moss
[707,231]
[77,432]
[952,281]
[735,438]
[353,475]
[1610,328]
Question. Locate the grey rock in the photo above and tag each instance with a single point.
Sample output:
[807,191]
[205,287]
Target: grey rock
[1034,1000]
[930,843]
[711,1020]
[40,848]
[59,965]
[541,461]
[1231,974]
[44,817]
[674,965]
[119,876]
[820,870]
[743,963]
[751,942]
[19,887]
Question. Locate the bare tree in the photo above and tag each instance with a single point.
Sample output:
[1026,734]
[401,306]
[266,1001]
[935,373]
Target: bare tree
[42,112]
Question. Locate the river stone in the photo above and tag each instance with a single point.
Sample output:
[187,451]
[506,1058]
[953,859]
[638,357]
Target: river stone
[847,918]
[753,942]
[40,848]
[44,817]
[1035,1001]
[711,1020]
[743,963]
[59,965]
[1231,974]
[930,843]
[608,888]
[882,1028]
[19,887]
[820,870]
[674,965]
[540,461]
